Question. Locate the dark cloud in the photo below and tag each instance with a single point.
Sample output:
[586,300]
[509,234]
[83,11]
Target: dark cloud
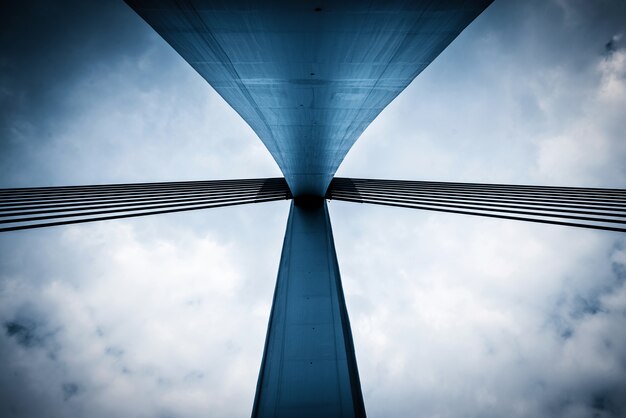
[591,402]
[47,49]
[582,306]
[609,403]
[31,331]
[69,390]
[614,44]
[25,332]
[115,351]
[73,77]
[610,47]
[48,46]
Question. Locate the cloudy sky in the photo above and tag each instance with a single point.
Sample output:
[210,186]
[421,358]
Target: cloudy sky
[452,316]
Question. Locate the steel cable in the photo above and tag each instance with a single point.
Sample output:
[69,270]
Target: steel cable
[543,204]
[90,203]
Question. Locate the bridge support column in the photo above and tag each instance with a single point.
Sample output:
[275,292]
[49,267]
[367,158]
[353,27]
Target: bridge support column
[309,368]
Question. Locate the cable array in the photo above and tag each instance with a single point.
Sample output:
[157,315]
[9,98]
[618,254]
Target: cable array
[37,207]
[593,208]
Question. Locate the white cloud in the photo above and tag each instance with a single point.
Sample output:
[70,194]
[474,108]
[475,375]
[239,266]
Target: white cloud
[590,149]
[158,326]
[462,313]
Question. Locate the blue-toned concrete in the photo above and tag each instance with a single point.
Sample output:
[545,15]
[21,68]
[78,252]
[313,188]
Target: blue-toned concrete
[309,76]
[309,367]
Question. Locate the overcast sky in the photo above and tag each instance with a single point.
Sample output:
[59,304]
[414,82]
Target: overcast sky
[452,316]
